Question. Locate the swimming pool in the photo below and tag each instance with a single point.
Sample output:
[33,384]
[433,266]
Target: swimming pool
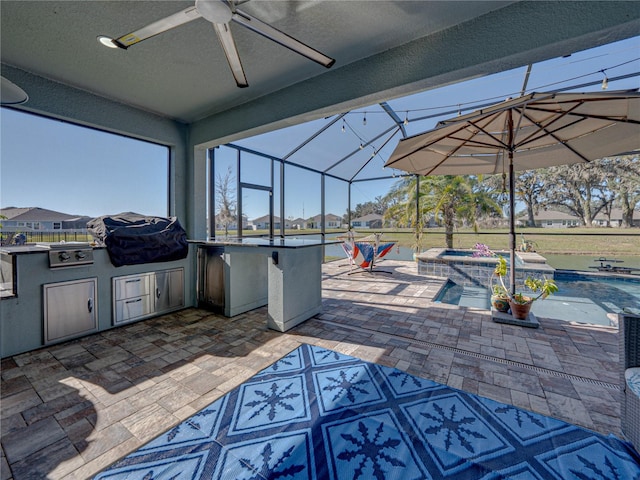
[582,297]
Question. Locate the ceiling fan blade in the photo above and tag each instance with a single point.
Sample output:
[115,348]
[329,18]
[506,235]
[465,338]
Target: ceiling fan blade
[155,28]
[231,52]
[282,38]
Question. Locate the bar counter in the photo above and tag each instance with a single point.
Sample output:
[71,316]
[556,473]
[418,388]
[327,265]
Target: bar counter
[236,275]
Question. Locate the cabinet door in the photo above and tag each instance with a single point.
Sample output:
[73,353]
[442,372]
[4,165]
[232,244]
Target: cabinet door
[169,289]
[69,309]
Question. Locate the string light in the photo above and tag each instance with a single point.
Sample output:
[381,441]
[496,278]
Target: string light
[469,105]
[605,85]
[605,80]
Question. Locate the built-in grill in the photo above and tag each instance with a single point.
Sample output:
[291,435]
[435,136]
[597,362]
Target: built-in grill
[70,254]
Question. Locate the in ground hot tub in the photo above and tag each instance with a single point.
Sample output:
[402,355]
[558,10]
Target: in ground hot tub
[461,267]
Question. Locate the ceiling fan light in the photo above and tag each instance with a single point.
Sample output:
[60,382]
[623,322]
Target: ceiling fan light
[106,41]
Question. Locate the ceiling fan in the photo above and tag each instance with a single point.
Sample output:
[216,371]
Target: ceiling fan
[220,13]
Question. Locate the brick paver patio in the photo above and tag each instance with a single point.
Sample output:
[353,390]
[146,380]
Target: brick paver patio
[70,410]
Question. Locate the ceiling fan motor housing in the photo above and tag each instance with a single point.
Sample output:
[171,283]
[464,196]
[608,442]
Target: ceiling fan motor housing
[216,11]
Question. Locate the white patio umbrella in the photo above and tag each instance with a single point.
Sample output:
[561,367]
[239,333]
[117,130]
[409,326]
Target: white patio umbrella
[533,131]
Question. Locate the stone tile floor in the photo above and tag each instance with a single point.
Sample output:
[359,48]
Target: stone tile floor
[70,410]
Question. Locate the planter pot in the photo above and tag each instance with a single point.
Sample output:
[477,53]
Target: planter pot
[500,303]
[520,311]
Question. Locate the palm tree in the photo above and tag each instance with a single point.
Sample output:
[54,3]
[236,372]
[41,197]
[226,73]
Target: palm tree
[449,199]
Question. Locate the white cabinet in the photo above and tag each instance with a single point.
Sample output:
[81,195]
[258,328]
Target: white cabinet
[69,309]
[146,294]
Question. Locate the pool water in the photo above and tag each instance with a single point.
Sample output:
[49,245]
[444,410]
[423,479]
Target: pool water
[457,253]
[581,297]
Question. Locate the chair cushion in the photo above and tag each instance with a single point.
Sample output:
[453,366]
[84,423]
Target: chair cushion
[632,377]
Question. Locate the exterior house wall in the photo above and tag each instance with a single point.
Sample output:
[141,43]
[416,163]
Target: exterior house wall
[17,225]
[331,221]
[557,223]
[368,221]
[233,225]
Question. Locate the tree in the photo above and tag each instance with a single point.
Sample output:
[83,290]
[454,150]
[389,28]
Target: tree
[578,188]
[226,200]
[590,188]
[451,200]
[622,176]
[530,187]
[378,206]
[401,200]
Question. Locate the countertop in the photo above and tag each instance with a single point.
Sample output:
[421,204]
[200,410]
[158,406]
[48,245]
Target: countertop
[23,249]
[243,242]
[43,247]
[266,242]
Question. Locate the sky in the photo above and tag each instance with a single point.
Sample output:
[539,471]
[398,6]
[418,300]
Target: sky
[58,166]
[79,171]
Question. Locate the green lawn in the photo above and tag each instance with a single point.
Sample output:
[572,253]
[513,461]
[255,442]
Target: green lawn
[585,241]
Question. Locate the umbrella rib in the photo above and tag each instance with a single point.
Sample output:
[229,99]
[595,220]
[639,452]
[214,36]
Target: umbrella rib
[567,113]
[572,113]
[544,128]
[446,157]
[551,133]
[481,133]
[420,147]
[605,117]
[467,141]
[490,135]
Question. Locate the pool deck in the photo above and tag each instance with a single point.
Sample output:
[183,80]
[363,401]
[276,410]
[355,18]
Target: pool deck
[70,410]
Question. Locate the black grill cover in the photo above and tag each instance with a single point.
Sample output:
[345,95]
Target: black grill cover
[133,239]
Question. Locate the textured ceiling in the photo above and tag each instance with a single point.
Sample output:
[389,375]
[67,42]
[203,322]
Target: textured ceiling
[382,49]
[182,73]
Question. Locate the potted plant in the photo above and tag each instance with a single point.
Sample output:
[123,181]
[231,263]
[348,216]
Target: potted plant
[499,298]
[499,294]
[527,245]
[520,303]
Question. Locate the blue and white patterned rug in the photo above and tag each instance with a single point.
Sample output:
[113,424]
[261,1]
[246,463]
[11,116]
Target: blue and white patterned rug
[318,414]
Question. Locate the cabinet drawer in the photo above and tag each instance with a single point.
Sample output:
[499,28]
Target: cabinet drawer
[131,286]
[131,309]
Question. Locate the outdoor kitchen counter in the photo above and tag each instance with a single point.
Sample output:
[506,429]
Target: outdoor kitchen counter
[26,271]
[8,254]
[284,274]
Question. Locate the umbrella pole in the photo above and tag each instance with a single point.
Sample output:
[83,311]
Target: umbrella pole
[512,227]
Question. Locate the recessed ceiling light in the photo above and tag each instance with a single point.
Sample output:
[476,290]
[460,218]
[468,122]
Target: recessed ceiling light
[107,41]
[11,94]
